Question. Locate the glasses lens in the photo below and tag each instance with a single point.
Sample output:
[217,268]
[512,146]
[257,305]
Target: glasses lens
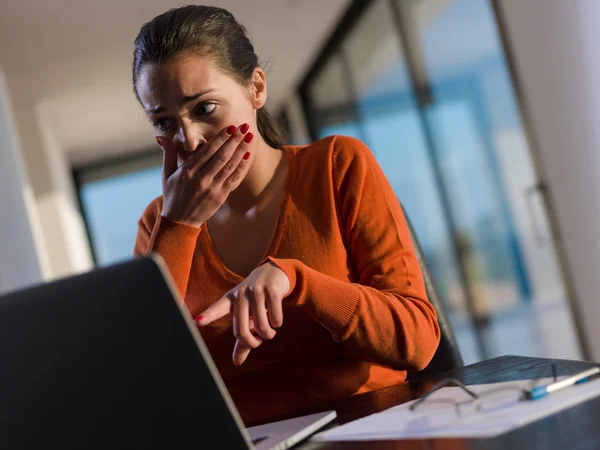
[498,401]
[435,414]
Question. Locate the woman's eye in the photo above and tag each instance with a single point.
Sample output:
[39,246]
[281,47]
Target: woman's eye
[162,124]
[205,109]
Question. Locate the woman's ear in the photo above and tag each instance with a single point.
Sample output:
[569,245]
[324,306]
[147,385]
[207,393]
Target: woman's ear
[258,88]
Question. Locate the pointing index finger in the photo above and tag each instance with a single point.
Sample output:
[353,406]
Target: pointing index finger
[216,311]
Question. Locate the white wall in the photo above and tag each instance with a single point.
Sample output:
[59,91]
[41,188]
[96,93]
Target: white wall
[555,47]
[22,257]
[63,233]
[67,239]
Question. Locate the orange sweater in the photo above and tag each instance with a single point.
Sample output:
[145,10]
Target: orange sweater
[357,316]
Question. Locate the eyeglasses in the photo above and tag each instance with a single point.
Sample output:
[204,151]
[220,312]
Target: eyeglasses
[436,412]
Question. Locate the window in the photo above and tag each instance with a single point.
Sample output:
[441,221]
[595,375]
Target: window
[426,86]
[113,197]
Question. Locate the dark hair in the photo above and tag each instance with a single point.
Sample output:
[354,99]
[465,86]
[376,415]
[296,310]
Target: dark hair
[206,31]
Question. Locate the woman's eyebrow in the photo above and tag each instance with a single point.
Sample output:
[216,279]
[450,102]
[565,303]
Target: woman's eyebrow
[185,99]
[191,98]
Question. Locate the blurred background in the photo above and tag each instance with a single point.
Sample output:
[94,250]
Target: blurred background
[480,112]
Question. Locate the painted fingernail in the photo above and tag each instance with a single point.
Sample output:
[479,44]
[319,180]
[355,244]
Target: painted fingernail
[231,129]
[247,155]
[198,319]
[244,128]
[248,138]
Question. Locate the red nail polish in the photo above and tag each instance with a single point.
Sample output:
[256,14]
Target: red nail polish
[248,138]
[244,128]
[231,129]
[198,319]
[247,155]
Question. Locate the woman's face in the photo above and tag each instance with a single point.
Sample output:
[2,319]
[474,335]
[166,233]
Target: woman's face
[189,100]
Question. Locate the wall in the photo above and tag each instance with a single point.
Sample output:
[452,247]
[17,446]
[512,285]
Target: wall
[46,231]
[556,59]
[300,132]
[69,249]
[63,237]
[22,256]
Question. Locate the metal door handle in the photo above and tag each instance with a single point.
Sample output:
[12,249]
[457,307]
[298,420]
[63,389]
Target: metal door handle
[539,187]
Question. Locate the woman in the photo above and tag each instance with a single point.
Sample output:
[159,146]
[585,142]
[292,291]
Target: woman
[295,258]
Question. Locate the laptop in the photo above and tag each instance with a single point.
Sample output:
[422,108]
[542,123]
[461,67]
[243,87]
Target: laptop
[110,359]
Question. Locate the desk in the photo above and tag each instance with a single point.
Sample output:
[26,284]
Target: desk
[572,429]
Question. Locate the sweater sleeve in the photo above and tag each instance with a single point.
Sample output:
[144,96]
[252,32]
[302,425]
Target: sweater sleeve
[384,317]
[175,242]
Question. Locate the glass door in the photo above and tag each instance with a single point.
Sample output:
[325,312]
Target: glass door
[425,85]
[480,144]
[370,98]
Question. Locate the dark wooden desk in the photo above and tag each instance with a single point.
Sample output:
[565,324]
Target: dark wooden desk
[572,429]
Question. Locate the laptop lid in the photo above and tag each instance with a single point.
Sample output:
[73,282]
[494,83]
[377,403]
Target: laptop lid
[109,359]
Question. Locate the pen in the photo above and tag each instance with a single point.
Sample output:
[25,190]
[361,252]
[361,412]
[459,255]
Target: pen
[542,391]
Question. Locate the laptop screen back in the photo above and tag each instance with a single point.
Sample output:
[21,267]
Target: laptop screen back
[107,360]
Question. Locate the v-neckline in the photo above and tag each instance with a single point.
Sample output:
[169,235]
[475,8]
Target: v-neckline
[225,272]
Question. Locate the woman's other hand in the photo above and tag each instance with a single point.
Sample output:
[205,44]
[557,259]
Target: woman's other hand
[256,306]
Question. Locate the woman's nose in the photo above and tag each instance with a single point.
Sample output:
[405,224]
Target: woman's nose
[190,138]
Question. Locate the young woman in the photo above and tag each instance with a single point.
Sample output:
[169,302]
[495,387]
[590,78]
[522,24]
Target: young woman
[296,259]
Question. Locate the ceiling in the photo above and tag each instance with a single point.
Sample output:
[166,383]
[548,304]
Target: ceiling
[72,60]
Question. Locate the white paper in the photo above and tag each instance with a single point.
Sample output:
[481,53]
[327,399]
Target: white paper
[500,413]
